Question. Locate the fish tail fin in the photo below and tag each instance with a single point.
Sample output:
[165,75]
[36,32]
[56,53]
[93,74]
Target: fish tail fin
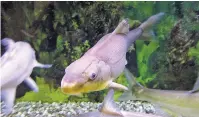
[37,64]
[151,21]
[144,31]
[148,25]
[133,84]
[7,42]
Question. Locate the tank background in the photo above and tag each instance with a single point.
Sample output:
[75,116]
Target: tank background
[60,32]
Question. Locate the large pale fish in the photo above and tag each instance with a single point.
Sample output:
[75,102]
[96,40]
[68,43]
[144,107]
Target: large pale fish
[16,65]
[168,102]
[110,109]
[105,61]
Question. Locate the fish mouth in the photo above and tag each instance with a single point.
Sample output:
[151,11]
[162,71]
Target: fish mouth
[70,88]
[79,88]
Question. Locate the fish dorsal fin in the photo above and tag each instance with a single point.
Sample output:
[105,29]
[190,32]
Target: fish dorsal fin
[123,27]
[108,106]
[196,86]
[7,42]
[10,50]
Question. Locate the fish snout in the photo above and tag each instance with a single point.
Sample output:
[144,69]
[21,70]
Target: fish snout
[67,83]
[71,84]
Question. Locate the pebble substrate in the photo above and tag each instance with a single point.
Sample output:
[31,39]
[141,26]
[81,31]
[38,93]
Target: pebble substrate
[38,109]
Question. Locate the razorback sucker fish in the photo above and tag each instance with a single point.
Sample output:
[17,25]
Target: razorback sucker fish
[105,61]
[110,109]
[171,103]
[16,65]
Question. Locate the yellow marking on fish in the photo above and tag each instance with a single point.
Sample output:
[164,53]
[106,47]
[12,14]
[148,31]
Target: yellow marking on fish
[85,88]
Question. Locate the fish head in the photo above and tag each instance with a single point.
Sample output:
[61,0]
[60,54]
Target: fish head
[85,75]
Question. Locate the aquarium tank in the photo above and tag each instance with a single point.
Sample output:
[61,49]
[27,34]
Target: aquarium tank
[99,59]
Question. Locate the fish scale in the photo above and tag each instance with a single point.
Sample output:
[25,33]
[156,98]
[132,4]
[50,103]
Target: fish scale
[110,49]
[112,55]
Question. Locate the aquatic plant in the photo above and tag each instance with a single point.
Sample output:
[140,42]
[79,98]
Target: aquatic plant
[45,94]
[61,34]
[49,94]
[138,10]
[122,80]
[144,52]
[194,52]
[171,63]
[143,55]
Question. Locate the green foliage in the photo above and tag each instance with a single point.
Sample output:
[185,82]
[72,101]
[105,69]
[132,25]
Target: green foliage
[194,52]
[45,94]
[140,10]
[143,55]
[165,27]
[79,49]
[59,44]
[75,25]
[121,80]
[134,23]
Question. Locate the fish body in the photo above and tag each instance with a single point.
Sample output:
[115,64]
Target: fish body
[16,65]
[182,103]
[105,61]
[123,114]
[109,109]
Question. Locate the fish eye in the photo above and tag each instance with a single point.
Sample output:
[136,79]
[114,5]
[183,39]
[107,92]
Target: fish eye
[93,76]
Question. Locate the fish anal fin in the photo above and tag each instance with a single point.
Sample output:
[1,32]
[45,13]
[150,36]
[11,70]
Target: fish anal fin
[8,97]
[108,106]
[31,84]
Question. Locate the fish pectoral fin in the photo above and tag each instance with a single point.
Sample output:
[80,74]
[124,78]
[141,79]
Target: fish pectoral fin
[31,83]
[109,106]
[196,86]
[37,64]
[117,86]
[8,97]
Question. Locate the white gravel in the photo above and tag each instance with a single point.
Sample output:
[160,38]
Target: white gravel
[38,109]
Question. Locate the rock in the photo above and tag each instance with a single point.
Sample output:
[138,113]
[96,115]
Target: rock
[38,109]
